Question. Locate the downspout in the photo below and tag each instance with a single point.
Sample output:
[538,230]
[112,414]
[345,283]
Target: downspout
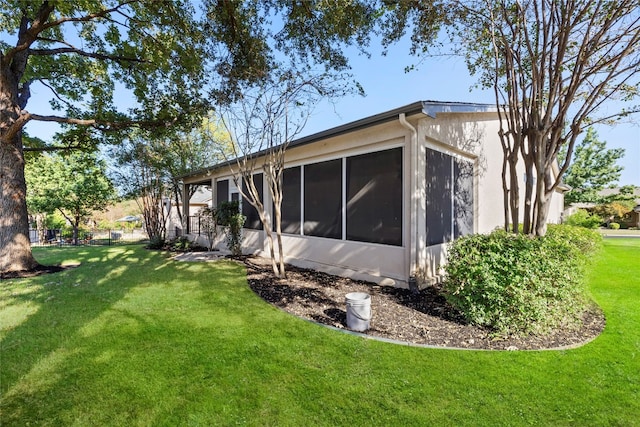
[413,247]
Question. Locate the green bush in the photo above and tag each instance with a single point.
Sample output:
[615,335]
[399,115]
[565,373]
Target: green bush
[614,226]
[518,284]
[587,242]
[228,215]
[225,210]
[155,242]
[582,218]
[182,244]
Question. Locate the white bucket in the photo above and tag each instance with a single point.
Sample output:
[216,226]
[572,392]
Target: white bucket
[358,311]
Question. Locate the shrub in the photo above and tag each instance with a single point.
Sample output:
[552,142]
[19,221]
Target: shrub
[225,210]
[582,218]
[181,244]
[518,284]
[155,242]
[587,242]
[614,226]
[228,215]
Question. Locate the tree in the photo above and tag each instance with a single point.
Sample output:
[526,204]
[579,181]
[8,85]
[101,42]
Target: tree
[140,177]
[184,152]
[36,205]
[209,225]
[74,184]
[593,168]
[77,52]
[172,61]
[554,66]
[261,125]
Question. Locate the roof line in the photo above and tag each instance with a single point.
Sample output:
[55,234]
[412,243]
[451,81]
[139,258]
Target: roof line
[428,108]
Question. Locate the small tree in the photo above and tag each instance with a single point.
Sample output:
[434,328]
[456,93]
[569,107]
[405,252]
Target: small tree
[228,216]
[209,225]
[261,125]
[141,179]
[615,210]
[74,184]
[178,153]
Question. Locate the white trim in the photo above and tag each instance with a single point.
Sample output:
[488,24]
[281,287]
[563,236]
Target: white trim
[343,207]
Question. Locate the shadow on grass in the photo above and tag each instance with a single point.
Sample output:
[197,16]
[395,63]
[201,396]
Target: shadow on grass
[118,340]
[47,310]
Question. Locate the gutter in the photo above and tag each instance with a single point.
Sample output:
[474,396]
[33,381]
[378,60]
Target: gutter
[413,247]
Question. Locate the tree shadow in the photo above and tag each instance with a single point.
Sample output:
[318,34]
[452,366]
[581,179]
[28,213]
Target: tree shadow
[60,305]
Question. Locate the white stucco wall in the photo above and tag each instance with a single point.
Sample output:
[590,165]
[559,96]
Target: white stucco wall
[470,136]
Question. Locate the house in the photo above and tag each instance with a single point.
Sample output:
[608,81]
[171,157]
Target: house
[631,220]
[378,199]
[200,198]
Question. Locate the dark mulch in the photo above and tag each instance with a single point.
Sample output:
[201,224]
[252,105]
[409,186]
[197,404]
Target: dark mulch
[398,314]
[37,271]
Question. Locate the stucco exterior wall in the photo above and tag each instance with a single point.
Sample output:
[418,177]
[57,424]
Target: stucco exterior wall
[469,136]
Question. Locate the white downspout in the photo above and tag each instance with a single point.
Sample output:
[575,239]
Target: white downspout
[413,246]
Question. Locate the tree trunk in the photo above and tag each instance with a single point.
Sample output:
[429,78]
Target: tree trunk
[283,273]
[40,226]
[543,203]
[527,221]
[514,192]
[75,225]
[15,247]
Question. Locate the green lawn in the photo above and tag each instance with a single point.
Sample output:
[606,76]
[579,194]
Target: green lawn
[133,338]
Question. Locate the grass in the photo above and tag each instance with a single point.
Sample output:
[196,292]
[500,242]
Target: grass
[133,338]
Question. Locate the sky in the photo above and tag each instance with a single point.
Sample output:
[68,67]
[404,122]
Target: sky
[388,86]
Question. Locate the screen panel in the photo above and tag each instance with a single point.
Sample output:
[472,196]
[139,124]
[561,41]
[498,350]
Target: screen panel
[438,197]
[222,191]
[463,199]
[323,199]
[253,219]
[290,209]
[374,197]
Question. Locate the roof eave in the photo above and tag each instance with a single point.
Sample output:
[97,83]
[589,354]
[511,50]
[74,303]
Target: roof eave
[428,108]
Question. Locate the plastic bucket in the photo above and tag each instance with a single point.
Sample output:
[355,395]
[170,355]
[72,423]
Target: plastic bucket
[358,311]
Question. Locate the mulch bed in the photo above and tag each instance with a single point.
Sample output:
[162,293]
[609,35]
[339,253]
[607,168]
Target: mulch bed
[422,318]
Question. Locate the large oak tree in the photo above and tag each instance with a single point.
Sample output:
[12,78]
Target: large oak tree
[172,60]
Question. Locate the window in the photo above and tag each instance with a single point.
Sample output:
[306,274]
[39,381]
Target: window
[222,191]
[462,198]
[374,197]
[323,199]
[290,209]
[253,219]
[449,196]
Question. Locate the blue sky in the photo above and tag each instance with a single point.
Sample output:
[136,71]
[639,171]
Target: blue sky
[387,86]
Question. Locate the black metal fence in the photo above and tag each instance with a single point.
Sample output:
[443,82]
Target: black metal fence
[194,225]
[92,237]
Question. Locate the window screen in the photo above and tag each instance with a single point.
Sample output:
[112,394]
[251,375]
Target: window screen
[290,210]
[438,194]
[222,191]
[449,195]
[462,198]
[323,199]
[253,219]
[374,197]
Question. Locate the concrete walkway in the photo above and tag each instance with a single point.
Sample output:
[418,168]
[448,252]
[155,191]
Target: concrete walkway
[200,256]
